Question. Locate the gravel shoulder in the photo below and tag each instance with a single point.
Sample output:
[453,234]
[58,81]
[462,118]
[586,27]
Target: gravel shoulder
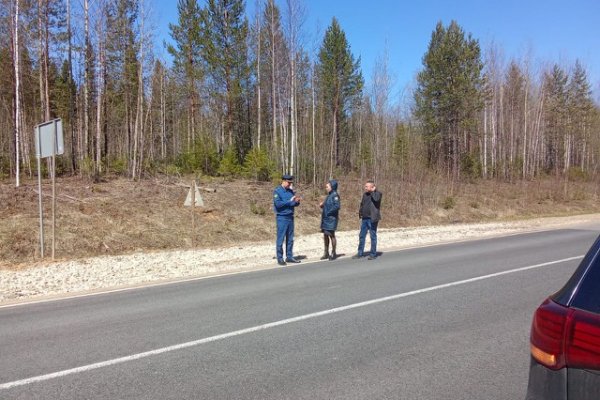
[98,274]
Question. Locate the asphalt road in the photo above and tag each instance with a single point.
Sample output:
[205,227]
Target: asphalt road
[441,322]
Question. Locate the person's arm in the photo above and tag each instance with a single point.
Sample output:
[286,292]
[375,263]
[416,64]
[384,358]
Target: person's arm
[295,200]
[360,207]
[278,201]
[376,197]
[335,205]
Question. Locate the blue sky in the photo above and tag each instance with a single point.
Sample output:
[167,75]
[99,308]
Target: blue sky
[550,31]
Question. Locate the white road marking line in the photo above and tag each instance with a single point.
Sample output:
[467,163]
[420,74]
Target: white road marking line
[257,328]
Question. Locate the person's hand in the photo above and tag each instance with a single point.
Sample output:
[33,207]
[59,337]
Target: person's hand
[321,204]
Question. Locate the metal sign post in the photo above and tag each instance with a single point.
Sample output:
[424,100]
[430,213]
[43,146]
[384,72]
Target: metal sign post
[48,143]
[39,174]
[193,190]
[194,200]
[54,189]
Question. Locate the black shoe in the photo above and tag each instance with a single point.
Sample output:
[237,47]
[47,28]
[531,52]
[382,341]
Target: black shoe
[325,256]
[292,260]
[372,258]
[357,256]
[281,262]
[332,257]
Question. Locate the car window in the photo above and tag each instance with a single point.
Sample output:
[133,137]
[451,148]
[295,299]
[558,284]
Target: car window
[588,294]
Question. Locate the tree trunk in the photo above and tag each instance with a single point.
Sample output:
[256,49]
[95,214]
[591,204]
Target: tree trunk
[99,88]
[293,122]
[525,138]
[485,135]
[41,62]
[139,120]
[333,150]
[46,57]
[258,82]
[314,147]
[71,94]
[86,88]
[17,98]
[273,81]
[163,117]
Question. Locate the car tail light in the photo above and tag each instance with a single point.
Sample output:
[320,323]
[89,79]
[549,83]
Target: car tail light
[547,334]
[563,337]
[583,341]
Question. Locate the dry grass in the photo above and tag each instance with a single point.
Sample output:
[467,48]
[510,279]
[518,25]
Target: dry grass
[118,216]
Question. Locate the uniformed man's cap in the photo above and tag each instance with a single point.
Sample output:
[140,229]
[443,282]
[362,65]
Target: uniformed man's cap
[287,177]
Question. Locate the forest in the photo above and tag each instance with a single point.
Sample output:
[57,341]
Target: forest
[244,96]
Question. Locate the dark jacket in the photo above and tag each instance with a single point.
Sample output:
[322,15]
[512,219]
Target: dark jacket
[370,205]
[282,202]
[331,208]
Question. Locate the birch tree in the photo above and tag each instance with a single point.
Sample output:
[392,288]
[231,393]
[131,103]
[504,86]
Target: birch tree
[295,16]
[16,57]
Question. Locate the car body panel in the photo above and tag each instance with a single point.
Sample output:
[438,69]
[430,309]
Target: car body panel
[581,292]
[583,384]
[546,384]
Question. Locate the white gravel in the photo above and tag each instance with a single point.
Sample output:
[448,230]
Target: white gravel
[111,272]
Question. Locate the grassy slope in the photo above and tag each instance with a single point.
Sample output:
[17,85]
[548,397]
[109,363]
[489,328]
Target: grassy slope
[118,216]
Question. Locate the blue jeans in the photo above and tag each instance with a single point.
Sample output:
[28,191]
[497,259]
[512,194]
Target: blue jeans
[367,225]
[285,230]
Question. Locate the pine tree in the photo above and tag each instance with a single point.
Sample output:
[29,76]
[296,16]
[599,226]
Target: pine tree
[341,84]
[581,113]
[187,58]
[555,117]
[448,95]
[224,49]
[122,75]
[514,95]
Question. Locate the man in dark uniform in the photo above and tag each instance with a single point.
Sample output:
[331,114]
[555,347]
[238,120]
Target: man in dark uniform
[284,202]
[329,219]
[370,215]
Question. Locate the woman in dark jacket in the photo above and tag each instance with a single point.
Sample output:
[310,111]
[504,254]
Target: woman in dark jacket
[329,219]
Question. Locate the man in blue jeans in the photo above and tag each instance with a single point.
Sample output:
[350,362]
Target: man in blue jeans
[369,215]
[284,202]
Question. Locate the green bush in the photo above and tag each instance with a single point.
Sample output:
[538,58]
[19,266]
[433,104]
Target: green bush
[579,195]
[203,158]
[4,164]
[258,165]
[171,170]
[118,166]
[577,174]
[470,166]
[229,166]
[63,165]
[86,166]
[206,156]
[257,209]
[185,162]
[448,203]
